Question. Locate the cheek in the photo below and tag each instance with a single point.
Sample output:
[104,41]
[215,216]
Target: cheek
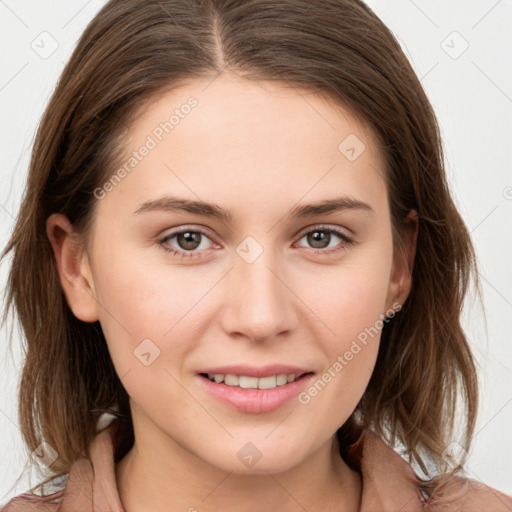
[155,313]
[350,302]
[137,303]
[144,318]
[349,298]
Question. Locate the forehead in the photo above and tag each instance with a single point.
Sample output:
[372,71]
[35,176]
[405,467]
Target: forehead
[248,111]
[263,139]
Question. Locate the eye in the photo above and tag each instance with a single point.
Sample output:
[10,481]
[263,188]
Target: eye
[323,239]
[189,243]
[186,242]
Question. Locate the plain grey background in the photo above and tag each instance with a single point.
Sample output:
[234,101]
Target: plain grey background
[461,51]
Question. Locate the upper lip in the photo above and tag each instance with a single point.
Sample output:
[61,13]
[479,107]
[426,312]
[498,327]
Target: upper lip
[253,371]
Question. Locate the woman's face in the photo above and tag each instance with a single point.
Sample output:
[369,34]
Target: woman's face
[266,187]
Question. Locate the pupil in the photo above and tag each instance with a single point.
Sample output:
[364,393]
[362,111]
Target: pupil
[320,237]
[188,240]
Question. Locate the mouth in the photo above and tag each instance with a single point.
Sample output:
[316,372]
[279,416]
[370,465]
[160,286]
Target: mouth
[251,382]
[254,389]
[251,394]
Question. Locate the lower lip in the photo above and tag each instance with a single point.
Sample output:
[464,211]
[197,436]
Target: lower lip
[256,400]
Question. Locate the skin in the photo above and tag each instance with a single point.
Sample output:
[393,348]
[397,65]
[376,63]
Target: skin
[257,150]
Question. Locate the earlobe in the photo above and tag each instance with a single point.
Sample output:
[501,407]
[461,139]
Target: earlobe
[400,282]
[73,268]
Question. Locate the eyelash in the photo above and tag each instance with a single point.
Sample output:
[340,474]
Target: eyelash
[346,242]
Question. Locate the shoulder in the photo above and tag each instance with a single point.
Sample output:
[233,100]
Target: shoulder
[31,502]
[390,483]
[464,494]
[77,492]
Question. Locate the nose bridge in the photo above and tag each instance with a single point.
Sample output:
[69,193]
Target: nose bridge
[258,301]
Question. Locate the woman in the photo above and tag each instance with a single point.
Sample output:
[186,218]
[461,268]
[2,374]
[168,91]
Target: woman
[242,220]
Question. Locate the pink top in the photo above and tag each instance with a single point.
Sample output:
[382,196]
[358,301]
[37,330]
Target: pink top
[389,485]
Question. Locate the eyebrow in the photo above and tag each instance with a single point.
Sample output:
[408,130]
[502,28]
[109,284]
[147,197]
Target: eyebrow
[176,204]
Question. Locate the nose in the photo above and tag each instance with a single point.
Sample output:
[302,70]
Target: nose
[259,304]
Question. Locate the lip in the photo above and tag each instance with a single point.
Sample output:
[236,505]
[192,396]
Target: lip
[253,371]
[255,401]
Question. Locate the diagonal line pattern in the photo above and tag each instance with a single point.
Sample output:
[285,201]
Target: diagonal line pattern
[303,196]
[11,420]
[198,402]
[485,15]
[497,494]
[302,96]
[195,44]
[331,331]
[99,304]
[5,5]
[286,491]
[279,424]
[492,81]
[7,211]
[424,14]
[481,222]
[76,486]
[76,14]
[218,485]
[211,288]
[492,419]
[14,76]
[193,192]
[495,289]
[429,71]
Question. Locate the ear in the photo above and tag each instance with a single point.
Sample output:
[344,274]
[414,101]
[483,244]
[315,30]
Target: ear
[73,268]
[400,280]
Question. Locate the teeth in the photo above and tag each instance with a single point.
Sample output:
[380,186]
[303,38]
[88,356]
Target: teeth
[246,382]
[281,379]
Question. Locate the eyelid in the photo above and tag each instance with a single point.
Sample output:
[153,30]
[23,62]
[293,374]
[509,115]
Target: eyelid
[325,227]
[184,228]
[203,230]
[337,230]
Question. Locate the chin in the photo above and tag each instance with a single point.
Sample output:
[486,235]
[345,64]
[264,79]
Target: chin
[251,460]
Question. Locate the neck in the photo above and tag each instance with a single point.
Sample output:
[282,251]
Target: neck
[151,478]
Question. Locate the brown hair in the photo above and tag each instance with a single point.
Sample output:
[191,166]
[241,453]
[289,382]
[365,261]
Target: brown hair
[133,50]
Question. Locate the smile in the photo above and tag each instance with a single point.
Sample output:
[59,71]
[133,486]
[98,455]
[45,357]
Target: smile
[251,394]
[246,382]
